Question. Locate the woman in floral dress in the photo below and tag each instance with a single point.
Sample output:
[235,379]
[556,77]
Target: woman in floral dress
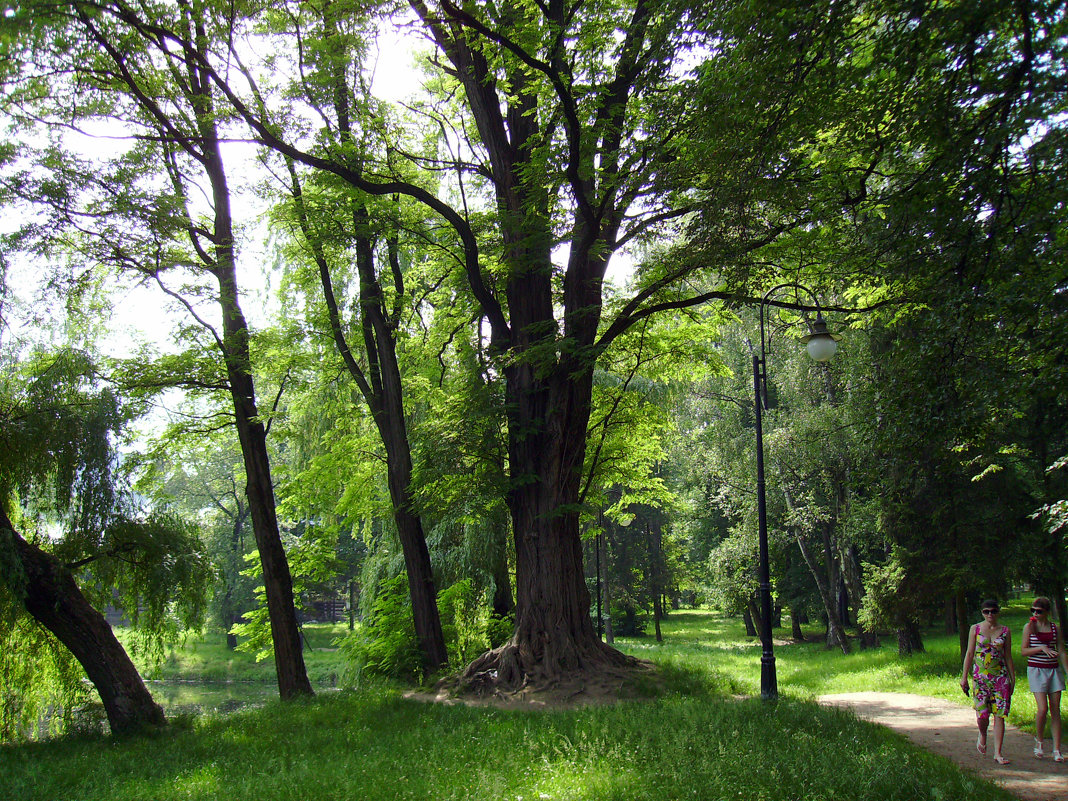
[989,661]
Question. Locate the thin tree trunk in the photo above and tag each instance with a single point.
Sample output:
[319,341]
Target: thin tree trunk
[962,622]
[795,626]
[836,636]
[53,599]
[259,488]
[383,392]
[851,574]
[656,536]
[750,615]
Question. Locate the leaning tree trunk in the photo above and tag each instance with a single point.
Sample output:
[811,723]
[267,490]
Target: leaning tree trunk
[252,436]
[277,580]
[259,489]
[53,599]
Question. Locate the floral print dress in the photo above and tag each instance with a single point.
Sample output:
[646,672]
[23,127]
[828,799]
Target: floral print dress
[991,676]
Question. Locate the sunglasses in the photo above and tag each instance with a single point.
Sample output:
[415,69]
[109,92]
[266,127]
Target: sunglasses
[1037,611]
[991,611]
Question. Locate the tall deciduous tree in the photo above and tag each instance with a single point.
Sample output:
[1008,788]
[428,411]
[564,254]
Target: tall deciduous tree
[151,221]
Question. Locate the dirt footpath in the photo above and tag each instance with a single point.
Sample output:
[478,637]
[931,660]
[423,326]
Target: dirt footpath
[949,730]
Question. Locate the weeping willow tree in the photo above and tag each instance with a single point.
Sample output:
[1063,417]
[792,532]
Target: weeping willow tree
[71,541]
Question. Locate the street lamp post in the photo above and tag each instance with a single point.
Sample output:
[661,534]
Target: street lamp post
[597,545]
[821,345]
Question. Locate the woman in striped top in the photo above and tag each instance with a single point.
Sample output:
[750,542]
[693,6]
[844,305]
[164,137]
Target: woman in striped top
[1043,645]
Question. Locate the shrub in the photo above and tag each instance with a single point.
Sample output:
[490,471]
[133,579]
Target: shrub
[385,644]
[464,622]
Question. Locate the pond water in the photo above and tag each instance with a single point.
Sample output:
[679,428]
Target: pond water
[210,698]
[177,698]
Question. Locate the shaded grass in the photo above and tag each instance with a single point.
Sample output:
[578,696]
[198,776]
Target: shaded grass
[377,745]
[696,740]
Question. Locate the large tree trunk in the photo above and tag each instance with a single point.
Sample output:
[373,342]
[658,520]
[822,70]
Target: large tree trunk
[547,362]
[53,599]
[555,636]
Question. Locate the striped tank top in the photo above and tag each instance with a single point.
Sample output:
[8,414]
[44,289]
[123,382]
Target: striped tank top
[1048,638]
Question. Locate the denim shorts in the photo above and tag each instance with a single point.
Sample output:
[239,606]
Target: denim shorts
[1044,680]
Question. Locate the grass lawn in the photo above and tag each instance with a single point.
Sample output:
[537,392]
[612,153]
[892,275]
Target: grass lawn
[697,740]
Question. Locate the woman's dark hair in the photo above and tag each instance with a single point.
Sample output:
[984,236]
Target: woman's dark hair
[990,603]
[1042,602]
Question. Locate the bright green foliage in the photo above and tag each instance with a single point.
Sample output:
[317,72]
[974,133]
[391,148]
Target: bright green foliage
[464,620]
[36,673]
[385,644]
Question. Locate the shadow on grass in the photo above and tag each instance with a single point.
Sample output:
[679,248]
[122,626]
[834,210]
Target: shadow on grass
[692,741]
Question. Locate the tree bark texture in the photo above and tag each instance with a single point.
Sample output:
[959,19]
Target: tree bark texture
[548,362]
[749,617]
[259,487]
[852,575]
[836,636]
[53,599]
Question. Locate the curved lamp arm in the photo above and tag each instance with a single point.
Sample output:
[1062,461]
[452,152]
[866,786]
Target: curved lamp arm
[820,343]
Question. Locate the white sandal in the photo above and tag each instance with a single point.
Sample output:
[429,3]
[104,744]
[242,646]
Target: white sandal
[1057,756]
[1038,752]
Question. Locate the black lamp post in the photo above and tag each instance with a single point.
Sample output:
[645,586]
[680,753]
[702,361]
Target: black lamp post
[821,345]
[597,545]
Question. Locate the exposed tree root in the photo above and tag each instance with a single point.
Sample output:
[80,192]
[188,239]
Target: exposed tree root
[509,677]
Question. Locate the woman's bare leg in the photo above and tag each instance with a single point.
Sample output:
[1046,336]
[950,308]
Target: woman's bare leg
[999,738]
[1042,706]
[1055,719]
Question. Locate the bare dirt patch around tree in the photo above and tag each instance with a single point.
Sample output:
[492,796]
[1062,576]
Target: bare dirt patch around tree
[949,730]
[605,685]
